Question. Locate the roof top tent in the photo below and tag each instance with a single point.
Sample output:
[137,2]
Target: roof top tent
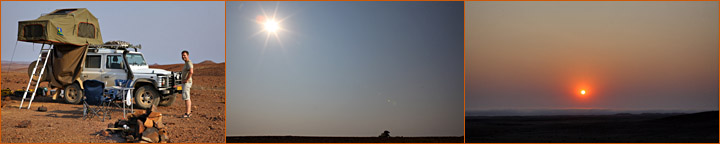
[68,32]
[75,26]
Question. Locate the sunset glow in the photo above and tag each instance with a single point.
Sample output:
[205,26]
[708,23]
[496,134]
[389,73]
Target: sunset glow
[582,92]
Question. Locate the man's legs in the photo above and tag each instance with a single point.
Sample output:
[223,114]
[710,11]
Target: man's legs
[186,97]
[188,103]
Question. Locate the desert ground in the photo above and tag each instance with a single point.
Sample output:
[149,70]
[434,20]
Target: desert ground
[618,128]
[63,123]
[302,139]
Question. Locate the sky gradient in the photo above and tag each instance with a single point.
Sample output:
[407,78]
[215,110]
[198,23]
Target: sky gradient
[164,29]
[627,55]
[346,69]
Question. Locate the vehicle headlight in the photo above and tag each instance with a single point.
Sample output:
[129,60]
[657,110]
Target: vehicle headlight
[162,81]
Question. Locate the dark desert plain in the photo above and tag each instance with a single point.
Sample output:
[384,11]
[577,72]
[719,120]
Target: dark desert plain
[592,72]
[311,139]
[617,128]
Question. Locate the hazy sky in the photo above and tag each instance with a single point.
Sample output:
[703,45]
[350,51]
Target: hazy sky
[346,69]
[627,55]
[163,28]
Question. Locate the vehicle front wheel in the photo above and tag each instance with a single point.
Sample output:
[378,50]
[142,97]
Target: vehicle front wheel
[146,96]
[168,101]
[73,94]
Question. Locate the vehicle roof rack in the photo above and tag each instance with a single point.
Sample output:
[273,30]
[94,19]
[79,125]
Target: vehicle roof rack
[116,46]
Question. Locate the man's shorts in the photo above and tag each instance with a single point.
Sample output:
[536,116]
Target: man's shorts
[186,91]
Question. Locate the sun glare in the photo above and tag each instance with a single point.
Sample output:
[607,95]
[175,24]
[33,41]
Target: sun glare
[271,26]
[582,92]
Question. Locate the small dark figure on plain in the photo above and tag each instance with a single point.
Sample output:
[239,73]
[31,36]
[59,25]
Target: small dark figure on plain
[385,134]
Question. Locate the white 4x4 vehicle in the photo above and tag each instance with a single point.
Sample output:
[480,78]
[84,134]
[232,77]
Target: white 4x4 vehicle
[115,65]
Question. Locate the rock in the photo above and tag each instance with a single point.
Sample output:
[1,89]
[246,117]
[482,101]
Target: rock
[42,109]
[154,115]
[159,125]
[151,135]
[141,128]
[163,136]
[138,113]
[144,127]
[24,124]
[153,108]
[148,123]
[5,101]
[385,134]
[129,138]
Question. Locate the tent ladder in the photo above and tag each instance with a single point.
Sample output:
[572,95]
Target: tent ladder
[46,55]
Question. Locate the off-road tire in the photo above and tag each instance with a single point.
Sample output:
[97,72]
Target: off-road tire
[168,101]
[146,96]
[73,94]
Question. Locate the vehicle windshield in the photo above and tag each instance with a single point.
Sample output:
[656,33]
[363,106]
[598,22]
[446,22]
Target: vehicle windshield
[135,59]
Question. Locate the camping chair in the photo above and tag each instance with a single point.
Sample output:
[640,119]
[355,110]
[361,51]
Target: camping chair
[122,91]
[95,101]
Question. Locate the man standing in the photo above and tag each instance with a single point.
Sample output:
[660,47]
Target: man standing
[187,73]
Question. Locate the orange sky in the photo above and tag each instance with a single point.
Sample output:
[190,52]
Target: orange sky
[627,55]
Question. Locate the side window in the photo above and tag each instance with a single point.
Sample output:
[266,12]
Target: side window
[114,62]
[92,61]
[86,30]
[33,30]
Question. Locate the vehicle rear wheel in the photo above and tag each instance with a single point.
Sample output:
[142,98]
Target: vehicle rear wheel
[73,94]
[146,96]
[168,101]
[37,71]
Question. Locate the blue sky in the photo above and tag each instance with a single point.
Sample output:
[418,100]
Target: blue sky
[163,28]
[346,69]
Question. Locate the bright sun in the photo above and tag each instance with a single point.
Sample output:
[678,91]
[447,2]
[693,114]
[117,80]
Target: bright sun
[582,92]
[271,26]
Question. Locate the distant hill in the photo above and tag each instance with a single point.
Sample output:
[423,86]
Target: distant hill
[204,68]
[549,112]
[701,117]
[207,62]
[15,65]
[16,62]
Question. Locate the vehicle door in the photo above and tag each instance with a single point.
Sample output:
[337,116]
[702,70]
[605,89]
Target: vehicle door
[93,67]
[114,70]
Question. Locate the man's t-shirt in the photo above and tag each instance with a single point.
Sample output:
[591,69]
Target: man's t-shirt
[186,71]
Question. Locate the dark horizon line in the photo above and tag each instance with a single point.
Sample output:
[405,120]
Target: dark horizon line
[347,136]
[577,112]
[612,109]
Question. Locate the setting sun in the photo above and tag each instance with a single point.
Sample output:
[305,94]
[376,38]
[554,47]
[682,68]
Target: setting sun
[582,92]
